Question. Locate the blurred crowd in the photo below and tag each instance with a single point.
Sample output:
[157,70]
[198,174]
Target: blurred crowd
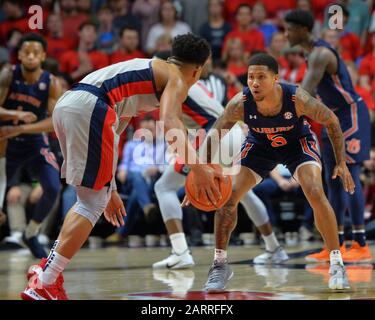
[86,35]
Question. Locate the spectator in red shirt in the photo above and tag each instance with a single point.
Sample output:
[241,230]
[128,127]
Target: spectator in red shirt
[367,68]
[129,46]
[277,45]
[230,8]
[251,37]
[14,19]
[58,42]
[86,59]
[235,58]
[72,18]
[296,69]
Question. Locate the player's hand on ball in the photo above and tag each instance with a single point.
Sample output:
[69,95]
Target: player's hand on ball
[205,186]
[343,172]
[115,210]
[9,132]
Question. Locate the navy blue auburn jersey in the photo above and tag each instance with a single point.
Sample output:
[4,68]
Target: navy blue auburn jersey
[29,97]
[279,130]
[336,91]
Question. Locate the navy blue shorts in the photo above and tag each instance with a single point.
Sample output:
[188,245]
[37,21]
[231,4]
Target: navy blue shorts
[262,159]
[356,128]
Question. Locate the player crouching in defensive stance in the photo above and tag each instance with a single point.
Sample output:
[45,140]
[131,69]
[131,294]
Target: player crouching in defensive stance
[279,133]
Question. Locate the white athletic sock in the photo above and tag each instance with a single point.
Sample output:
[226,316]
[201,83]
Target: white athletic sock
[32,229]
[335,257]
[271,242]
[3,181]
[220,255]
[55,265]
[178,242]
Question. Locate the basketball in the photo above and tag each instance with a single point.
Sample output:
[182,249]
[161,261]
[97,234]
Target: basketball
[225,188]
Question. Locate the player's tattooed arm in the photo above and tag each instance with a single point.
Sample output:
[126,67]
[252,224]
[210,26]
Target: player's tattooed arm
[317,111]
[318,62]
[233,112]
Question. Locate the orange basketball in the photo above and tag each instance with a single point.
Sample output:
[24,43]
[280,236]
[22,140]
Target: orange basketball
[225,188]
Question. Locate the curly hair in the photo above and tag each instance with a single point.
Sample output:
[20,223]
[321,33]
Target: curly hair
[33,36]
[189,48]
[301,18]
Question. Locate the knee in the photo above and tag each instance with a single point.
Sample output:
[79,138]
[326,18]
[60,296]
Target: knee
[14,195]
[315,193]
[161,186]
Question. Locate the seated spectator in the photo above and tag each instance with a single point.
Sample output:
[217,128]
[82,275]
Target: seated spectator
[128,46]
[107,37]
[15,18]
[72,18]
[279,183]
[138,171]
[58,42]
[231,6]
[86,59]
[235,58]
[296,68]
[122,15]
[13,38]
[163,43]
[216,28]
[169,23]
[251,37]
[276,48]
[263,25]
[147,11]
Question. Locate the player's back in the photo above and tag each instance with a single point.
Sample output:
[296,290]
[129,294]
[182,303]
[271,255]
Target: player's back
[336,90]
[129,85]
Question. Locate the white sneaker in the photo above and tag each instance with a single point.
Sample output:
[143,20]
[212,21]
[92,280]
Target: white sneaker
[175,261]
[278,256]
[15,238]
[338,278]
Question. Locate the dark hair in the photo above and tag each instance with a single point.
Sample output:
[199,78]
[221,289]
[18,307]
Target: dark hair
[242,5]
[264,59]
[301,18]
[32,36]
[87,23]
[163,55]
[18,3]
[190,48]
[127,27]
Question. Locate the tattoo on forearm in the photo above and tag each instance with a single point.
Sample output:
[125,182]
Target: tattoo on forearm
[337,140]
[225,222]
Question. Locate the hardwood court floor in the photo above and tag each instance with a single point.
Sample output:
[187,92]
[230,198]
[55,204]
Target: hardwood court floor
[123,273]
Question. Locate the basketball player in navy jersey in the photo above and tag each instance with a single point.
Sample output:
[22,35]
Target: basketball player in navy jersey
[27,87]
[279,133]
[328,77]
[16,116]
[88,120]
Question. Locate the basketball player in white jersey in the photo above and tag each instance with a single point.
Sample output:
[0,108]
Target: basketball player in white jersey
[88,120]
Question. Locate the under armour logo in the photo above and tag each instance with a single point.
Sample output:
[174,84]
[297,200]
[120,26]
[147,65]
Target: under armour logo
[252,117]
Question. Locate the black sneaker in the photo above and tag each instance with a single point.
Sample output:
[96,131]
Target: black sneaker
[35,247]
